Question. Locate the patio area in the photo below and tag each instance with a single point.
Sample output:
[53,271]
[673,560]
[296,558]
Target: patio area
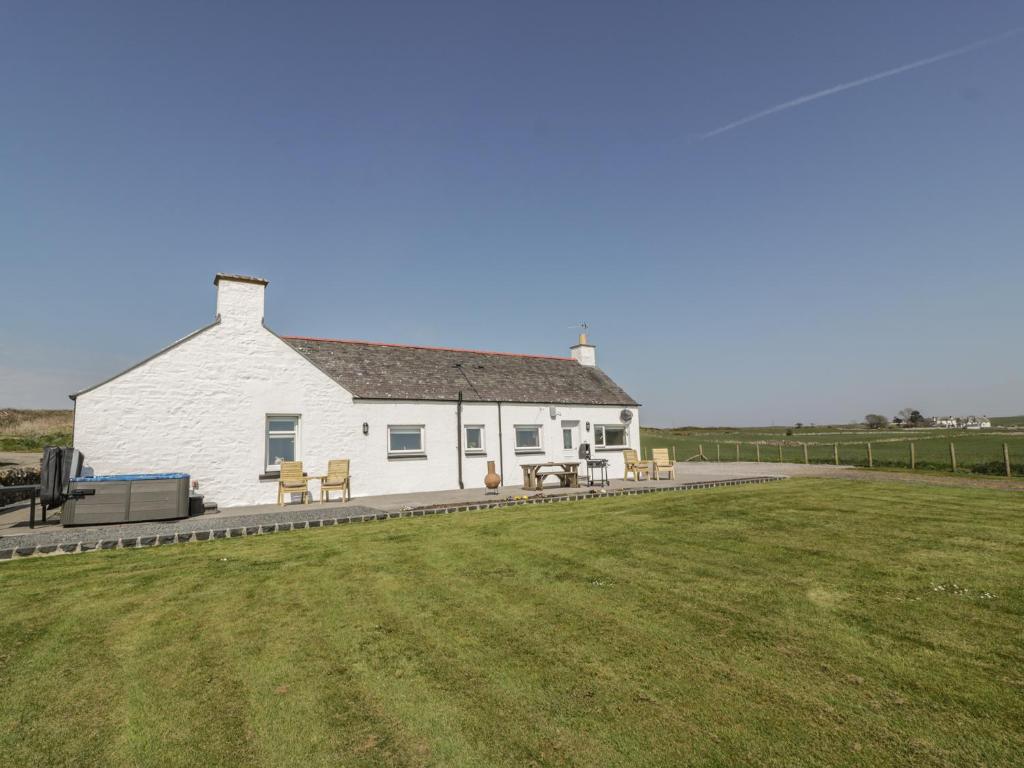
[18,540]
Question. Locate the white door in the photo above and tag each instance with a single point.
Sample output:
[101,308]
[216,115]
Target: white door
[570,439]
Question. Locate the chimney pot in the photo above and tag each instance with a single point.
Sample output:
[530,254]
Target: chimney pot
[584,353]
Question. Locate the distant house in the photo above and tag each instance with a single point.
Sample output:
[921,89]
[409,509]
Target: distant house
[963,422]
[230,401]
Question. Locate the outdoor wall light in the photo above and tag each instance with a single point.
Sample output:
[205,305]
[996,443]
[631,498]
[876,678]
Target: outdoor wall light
[588,426]
[366,428]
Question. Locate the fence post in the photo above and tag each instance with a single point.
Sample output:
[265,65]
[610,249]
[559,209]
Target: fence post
[780,453]
[806,460]
[673,453]
[952,456]
[1006,458]
[718,451]
[737,451]
[757,447]
[913,456]
[871,461]
[835,452]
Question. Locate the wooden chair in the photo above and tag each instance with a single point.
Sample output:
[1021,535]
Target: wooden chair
[662,463]
[634,465]
[292,480]
[336,479]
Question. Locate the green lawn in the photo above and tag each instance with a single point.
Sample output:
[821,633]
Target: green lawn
[808,622]
[1008,421]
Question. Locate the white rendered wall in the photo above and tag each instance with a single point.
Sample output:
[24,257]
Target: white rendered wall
[201,408]
[439,471]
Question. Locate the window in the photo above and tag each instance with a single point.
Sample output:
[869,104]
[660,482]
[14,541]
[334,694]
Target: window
[405,441]
[282,440]
[610,436]
[567,438]
[528,438]
[473,439]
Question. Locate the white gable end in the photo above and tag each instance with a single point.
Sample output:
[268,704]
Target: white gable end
[201,406]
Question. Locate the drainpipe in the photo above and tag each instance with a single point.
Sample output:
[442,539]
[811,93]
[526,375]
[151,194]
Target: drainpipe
[501,448]
[458,439]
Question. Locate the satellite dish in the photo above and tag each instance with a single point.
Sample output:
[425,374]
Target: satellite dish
[626,415]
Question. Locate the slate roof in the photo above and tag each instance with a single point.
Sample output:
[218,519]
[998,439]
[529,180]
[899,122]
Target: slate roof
[397,372]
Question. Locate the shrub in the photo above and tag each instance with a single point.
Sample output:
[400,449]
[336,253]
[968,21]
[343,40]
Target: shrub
[33,442]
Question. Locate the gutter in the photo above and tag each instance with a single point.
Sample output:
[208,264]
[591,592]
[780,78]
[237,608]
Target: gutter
[501,447]
[458,437]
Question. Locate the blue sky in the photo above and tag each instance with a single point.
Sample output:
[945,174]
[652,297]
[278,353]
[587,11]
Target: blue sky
[486,174]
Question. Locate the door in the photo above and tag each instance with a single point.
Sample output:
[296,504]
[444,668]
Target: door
[570,439]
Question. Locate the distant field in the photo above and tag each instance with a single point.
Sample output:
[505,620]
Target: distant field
[1008,421]
[31,430]
[976,451]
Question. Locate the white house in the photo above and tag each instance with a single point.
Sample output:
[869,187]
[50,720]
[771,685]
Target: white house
[229,401]
[963,422]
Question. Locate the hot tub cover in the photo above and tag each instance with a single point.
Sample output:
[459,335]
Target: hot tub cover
[122,478]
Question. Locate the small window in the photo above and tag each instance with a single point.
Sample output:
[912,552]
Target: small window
[405,441]
[528,438]
[473,440]
[282,440]
[610,436]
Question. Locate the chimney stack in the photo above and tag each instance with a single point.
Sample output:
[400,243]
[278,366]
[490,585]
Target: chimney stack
[584,353]
[239,299]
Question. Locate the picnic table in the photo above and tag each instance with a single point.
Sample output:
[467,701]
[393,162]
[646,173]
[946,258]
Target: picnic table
[567,472]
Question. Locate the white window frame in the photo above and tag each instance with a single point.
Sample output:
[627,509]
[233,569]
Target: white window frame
[421,451]
[599,442]
[465,440]
[574,429]
[539,448]
[295,433]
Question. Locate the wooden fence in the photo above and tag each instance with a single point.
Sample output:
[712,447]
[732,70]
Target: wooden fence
[855,453]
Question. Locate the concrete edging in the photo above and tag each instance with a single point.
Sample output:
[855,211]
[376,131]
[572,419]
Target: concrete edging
[233,532]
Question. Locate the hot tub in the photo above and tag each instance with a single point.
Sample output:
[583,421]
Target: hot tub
[125,499]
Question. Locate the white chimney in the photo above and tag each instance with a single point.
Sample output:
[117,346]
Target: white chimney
[584,353]
[239,299]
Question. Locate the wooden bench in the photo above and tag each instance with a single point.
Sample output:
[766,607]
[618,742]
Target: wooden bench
[567,473]
[563,478]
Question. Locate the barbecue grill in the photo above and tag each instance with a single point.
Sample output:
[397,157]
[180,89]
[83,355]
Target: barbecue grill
[597,469]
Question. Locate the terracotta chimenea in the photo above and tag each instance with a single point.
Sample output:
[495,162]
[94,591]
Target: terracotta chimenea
[492,479]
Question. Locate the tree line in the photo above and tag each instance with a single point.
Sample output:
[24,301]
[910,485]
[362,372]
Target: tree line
[908,417]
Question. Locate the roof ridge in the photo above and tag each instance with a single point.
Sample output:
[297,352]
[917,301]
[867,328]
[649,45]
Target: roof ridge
[423,346]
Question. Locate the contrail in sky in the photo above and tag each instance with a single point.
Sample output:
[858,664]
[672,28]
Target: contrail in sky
[863,81]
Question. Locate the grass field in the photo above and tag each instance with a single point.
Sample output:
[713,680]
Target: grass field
[31,430]
[809,622]
[978,451]
[1008,421]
